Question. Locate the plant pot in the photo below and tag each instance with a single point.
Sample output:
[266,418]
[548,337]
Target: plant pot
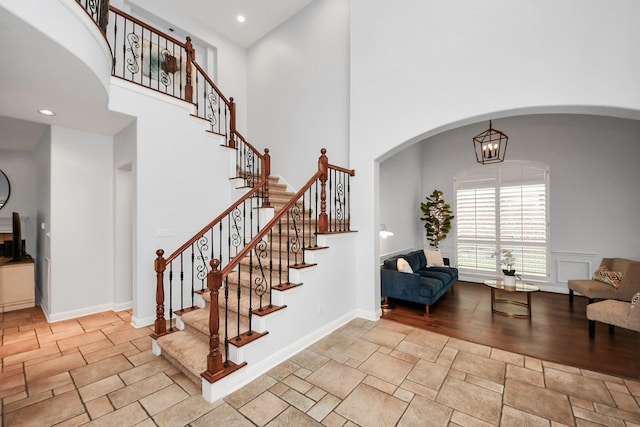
[509,282]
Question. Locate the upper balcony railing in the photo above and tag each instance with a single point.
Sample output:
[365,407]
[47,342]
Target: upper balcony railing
[148,57]
[98,10]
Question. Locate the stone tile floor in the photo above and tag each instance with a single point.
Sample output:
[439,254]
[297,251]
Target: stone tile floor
[98,370]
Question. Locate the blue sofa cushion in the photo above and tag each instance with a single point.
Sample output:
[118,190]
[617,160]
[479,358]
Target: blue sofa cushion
[451,272]
[442,276]
[413,258]
[391,263]
[430,286]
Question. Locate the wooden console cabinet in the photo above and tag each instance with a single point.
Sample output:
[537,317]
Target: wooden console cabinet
[17,284]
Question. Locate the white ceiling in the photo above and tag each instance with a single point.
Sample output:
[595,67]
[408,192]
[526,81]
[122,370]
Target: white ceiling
[51,77]
[262,16]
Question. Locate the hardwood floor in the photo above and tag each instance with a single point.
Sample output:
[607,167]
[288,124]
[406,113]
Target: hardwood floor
[557,331]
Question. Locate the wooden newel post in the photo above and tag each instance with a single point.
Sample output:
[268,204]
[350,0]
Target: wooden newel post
[323,168]
[191,55]
[160,265]
[214,359]
[232,123]
[266,170]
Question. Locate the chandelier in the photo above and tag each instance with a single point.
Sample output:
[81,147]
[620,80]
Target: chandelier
[490,146]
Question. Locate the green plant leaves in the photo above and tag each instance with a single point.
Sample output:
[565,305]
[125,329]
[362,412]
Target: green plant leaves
[437,218]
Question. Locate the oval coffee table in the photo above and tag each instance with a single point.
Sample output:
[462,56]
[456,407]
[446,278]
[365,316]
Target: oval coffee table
[527,288]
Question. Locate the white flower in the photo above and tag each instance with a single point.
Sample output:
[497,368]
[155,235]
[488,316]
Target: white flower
[507,259]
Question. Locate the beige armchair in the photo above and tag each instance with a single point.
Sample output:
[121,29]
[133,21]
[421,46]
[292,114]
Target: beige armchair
[615,313]
[593,289]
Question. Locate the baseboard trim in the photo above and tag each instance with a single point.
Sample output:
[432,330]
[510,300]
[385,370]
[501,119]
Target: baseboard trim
[72,314]
[137,322]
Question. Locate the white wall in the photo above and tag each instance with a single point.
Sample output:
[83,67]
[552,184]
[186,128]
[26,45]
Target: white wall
[42,174]
[231,67]
[81,224]
[437,66]
[593,210]
[400,196]
[124,147]
[181,182]
[298,79]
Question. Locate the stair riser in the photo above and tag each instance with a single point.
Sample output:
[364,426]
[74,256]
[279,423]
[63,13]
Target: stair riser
[245,301]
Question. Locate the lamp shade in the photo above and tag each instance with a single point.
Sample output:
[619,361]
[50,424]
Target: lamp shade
[490,146]
[384,233]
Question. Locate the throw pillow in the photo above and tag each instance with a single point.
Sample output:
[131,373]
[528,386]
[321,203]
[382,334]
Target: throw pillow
[403,266]
[603,274]
[635,299]
[434,258]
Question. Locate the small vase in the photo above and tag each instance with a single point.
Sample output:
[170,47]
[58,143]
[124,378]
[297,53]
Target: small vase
[509,282]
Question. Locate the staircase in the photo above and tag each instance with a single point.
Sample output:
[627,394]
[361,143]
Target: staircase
[188,348]
[241,273]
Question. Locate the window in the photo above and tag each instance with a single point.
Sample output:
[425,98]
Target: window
[502,206]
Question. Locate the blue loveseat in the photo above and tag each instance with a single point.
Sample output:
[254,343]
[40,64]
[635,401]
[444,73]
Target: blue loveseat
[424,286]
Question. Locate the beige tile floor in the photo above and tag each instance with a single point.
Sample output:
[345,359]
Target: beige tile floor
[98,370]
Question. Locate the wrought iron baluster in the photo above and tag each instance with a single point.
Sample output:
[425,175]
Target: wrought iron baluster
[238,311]
[295,238]
[211,239]
[317,211]
[181,281]
[171,296]
[226,322]
[202,244]
[280,252]
[331,175]
[304,228]
[340,201]
[193,276]
[288,254]
[271,268]
[260,281]
[220,243]
[348,203]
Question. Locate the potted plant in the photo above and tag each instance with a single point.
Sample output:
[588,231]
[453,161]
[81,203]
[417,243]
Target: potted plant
[437,218]
[508,261]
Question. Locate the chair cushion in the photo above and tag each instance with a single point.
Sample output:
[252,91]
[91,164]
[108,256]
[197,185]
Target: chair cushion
[593,289]
[611,312]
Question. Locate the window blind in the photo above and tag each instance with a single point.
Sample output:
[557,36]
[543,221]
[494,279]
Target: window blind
[502,207]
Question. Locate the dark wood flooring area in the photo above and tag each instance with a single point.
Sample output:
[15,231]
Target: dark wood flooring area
[556,332]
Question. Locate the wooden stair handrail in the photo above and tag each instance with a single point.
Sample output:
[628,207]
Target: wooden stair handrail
[212,224]
[258,237]
[248,144]
[351,172]
[213,85]
[148,27]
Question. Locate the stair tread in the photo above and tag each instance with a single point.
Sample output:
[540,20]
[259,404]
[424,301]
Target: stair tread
[199,321]
[186,352]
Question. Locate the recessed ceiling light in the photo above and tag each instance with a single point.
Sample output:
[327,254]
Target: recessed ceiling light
[240,18]
[45,112]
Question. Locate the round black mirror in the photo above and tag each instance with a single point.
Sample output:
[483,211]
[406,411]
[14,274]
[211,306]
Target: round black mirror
[5,189]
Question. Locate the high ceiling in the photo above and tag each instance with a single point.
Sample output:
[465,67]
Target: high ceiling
[262,16]
[27,81]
